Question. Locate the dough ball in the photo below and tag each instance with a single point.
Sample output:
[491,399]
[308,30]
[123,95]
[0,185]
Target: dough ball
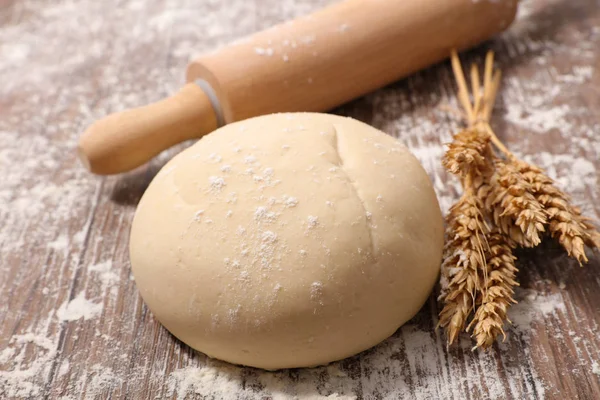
[288,240]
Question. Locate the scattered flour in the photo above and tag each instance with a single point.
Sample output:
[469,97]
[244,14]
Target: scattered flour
[316,290]
[64,368]
[220,381]
[41,187]
[21,379]
[291,201]
[105,274]
[215,158]
[532,307]
[216,183]
[79,307]
[99,379]
[269,237]
[579,75]
[538,120]
[596,368]
[263,215]
[60,244]
[405,366]
[264,51]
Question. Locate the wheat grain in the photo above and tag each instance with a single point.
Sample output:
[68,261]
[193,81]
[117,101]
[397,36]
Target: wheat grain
[496,294]
[463,258]
[506,203]
[513,205]
[468,156]
[592,237]
[469,153]
[565,221]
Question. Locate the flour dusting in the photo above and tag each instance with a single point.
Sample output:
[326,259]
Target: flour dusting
[79,307]
[17,374]
[532,307]
[219,380]
[105,274]
[101,378]
[130,53]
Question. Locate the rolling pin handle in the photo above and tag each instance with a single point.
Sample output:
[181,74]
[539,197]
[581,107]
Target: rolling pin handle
[126,140]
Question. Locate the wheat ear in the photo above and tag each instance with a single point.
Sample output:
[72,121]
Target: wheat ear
[464,257]
[565,222]
[514,205]
[506,202]
[497,292]
[473,285]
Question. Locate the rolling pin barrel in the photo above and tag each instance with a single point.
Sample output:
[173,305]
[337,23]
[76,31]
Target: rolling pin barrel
[313,63]
[342,52]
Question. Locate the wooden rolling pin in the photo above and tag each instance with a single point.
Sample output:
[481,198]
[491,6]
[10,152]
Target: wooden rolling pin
[313,63]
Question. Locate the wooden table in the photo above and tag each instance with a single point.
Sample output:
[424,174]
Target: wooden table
[72,324]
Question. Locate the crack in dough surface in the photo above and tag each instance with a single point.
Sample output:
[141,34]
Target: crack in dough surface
[337,146]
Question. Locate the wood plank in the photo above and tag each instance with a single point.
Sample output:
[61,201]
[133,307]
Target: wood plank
[64,233]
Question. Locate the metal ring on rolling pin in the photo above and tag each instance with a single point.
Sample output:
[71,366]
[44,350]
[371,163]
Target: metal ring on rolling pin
[214,100]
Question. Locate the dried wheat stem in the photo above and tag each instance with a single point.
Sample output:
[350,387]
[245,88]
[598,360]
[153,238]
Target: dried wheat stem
[491,83]
[510,202]
[497,142]
[463,93]
[476,88]
[488,69]
[518,200]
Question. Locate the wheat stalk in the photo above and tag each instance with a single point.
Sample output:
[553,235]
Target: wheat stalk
[513,205]
[473,284]
[506,203]
[592,236]
[497,292]
[511,201]
[565,221]
[464,257]
[468,153]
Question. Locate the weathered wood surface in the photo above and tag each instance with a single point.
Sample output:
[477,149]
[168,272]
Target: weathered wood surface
[72,324]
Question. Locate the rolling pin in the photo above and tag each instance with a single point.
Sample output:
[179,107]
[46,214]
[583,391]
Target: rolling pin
[313,63]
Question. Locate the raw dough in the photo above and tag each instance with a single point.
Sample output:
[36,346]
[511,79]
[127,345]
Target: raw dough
[288,240]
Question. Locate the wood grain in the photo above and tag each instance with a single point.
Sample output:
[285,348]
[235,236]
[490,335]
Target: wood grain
[64,64]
